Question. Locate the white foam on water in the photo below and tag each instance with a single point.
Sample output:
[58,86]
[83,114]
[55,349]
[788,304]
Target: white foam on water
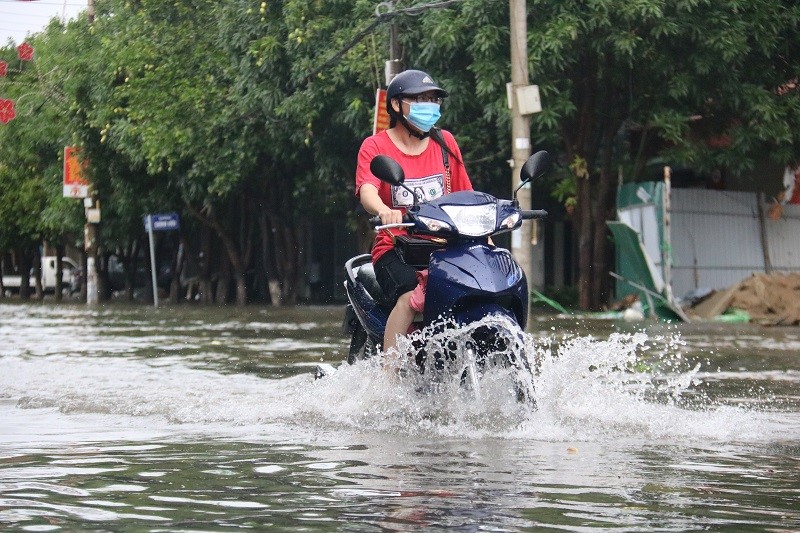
[627,386]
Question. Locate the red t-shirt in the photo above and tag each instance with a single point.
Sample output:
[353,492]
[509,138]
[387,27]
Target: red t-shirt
[424,173]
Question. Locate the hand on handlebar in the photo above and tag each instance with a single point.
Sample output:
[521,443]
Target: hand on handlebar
[390,216]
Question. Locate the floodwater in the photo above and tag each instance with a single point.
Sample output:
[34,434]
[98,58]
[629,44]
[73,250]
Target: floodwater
[186,418]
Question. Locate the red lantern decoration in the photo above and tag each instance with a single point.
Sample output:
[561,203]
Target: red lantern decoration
[7,112]
[25,52]
[3,69]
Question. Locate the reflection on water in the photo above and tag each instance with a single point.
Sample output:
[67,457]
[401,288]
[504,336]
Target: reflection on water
[209,418]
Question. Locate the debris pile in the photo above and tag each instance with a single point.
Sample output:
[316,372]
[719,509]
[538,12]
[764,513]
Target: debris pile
[769,299]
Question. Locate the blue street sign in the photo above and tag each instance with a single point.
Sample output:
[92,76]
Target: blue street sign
[162,222]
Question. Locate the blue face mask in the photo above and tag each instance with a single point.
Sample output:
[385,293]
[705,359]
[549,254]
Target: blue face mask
[423,115]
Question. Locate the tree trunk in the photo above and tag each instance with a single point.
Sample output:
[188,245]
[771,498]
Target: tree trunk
[287,251]
[605,211]
[85,269]
[589,141]
[234,256]
[267,251]
[25,261]
[206,288]
[130,260]
[584,226]
[59,288]
[595,208]
[241,289]
[178,261]
[223,283]
[2,271]
[37,273]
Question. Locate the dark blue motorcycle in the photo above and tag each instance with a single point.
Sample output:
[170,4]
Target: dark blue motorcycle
[470,281]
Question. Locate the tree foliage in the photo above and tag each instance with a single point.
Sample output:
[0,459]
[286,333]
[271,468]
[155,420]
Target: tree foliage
[32,208]
[245,116]
[622,80]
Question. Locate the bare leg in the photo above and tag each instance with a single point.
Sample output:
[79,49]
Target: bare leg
[398,323]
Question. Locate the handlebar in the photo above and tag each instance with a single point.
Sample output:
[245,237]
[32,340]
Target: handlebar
[378,224]
[528,214]
[401,225]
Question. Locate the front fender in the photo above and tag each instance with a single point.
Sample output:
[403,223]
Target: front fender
[478,266]
[475,278]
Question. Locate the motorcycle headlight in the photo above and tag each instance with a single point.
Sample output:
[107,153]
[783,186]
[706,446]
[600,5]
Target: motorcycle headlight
[434,225]
[473,220]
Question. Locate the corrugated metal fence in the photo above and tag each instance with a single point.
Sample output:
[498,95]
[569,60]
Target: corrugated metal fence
[721,237]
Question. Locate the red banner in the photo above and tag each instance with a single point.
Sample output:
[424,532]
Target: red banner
[75,185]
[381,121]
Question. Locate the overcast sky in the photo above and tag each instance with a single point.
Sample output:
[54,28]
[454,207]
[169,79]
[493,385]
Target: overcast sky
[19,18]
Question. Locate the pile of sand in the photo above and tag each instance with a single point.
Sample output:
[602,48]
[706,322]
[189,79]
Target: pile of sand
[771,299]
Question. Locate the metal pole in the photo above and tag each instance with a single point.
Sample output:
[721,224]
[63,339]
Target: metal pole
[90,247]
[762,226]
[520,133]
[666,246]
[393,66]
[152,259]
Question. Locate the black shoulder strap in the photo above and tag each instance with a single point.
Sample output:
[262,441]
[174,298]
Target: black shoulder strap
[445,158]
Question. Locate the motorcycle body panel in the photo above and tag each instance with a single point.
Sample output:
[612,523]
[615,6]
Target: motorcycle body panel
[369,309]
[472,280]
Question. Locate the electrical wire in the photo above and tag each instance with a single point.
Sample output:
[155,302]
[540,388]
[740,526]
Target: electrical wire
[417,10]
[83,4]
[380,17]
[26,15]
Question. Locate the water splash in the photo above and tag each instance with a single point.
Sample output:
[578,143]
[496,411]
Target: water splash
[627,386]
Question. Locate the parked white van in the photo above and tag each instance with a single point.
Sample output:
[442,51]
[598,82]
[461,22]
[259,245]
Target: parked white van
[11,283]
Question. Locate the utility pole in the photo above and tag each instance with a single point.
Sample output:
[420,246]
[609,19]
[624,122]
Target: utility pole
[393,66]
[90,228]
[521,240]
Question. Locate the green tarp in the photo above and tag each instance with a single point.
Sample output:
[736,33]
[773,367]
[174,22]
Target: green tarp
[635,273]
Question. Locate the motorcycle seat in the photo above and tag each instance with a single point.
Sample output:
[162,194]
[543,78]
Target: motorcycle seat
[366,276]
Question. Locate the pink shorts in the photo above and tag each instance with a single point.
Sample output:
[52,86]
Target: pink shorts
[417,300]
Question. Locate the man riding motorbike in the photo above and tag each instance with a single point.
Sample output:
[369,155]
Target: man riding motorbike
[433,166]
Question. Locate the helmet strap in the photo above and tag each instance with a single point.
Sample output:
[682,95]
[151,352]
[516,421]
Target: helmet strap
[411,129]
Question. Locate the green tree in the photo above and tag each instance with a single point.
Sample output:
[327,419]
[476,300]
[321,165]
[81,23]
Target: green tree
[308,110]
[32,209]
[158,118]
[669,75]
[247,115]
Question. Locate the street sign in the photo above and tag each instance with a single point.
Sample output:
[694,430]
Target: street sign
[158,222]
[381,120]
[162,222]
[75,184]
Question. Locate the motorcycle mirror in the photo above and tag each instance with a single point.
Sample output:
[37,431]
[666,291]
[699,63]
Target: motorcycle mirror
[534,168]
[387,169]
[390,171]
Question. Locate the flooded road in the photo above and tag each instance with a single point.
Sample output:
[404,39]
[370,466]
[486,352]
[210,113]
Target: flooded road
[185,418]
